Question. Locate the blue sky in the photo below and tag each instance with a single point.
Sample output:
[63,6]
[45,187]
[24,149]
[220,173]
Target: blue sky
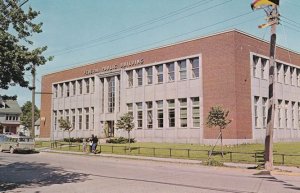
[83,31]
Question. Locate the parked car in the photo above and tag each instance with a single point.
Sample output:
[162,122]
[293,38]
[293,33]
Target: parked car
[15,143]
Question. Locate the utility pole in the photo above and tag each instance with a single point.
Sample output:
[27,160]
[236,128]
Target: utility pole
[273,20]
[270,7]
[32,133]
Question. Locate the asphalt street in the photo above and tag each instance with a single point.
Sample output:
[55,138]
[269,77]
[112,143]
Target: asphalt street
[53,172]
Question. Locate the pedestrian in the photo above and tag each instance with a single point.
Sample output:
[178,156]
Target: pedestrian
[84,144]
[95,143]
[91,143]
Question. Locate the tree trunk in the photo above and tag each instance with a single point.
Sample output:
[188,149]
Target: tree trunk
[129,141]
[69,138]
[221,135]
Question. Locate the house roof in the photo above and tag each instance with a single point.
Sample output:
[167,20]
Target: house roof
[10,107]
[38,122]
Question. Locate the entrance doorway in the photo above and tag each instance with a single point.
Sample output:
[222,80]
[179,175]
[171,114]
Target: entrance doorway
[111,128]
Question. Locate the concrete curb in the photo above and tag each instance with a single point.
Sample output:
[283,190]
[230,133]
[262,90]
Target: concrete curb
[278,170]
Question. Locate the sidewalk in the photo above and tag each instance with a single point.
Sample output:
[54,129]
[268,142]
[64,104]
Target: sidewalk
[281,170]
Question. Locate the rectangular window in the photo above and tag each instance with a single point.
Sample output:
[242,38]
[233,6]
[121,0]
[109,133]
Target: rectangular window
[292,69]
[171,112]
[196,111]
[130,78]
[93,117]
[149,72]
[255,63]
[102,95]
[285,74]
[61,90]
[286,117]
[195,67]
[79,119]
[55,90]
[130,108]
[73,88]
[298,77]
[87,118]
[264,111]
[256,98]
[139,115]
[171,71]
[160,114]
[80,86]
[160,75]
[93,84]
[279,114]
[87,85]
[111,94]
[139,73]
[73,118]
[67,89]
[182,69]
[293,115]
[149,115]
[279,72]
[298,115]
[67,115]
[263,68]
[55,119]
[60,115]
[183,112]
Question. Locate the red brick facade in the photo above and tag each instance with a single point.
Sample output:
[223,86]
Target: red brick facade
[226,76]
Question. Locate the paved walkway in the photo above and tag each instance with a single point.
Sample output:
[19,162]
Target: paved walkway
[284,170]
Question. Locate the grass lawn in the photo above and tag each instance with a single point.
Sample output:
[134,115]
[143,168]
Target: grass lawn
[247,153]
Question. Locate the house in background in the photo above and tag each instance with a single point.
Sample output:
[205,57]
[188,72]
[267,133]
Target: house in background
[10,113]
[37,127]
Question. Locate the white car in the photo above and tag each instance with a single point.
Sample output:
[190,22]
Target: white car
[15,143]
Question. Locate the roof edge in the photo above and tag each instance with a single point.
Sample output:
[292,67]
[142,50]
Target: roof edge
[172,44]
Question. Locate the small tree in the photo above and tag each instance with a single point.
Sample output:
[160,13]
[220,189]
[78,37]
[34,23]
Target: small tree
[126,123]
[66,126]
[218,118]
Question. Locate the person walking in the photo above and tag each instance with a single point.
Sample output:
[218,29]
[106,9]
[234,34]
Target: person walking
[91,143]
[95,144]
[84,144]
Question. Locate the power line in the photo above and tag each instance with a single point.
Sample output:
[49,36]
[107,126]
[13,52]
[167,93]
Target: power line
[180,35]
[291,24]
[138,26]
[291,28]
[147,29]
[298,24]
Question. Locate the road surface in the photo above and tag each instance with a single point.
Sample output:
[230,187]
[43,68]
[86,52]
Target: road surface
[54,173]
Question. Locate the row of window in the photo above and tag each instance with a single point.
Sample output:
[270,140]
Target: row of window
[79,118]
[76,87]
[283,73]
[146,113]
[176,70]
[287,113]
[12,118]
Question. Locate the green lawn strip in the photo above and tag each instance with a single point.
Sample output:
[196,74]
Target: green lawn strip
[244,153]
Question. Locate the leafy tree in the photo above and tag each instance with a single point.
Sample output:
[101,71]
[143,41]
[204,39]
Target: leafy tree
[66,126]
[126,122]
[27,115]
[218,118]
[16,49]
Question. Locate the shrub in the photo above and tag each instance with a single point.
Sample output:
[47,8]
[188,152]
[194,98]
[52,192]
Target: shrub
[72,139]
[120,140]
[213,162]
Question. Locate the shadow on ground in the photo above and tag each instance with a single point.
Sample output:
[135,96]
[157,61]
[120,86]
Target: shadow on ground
[25,174]
[275,180]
